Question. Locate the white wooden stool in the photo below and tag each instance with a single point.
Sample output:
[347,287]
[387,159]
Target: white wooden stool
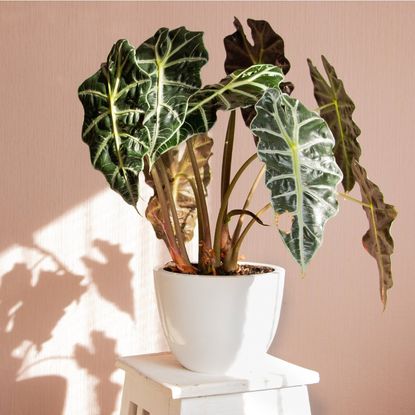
[156,384]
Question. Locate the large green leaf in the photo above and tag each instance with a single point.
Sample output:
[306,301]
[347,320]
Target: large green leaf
[241,88]
[112,116]
[267,47]
[337,109]
[296,146]
[173,60]
[181,175]
[142,103]
[377,240]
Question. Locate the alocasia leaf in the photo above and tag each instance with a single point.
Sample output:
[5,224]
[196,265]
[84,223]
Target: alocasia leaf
[112,116]
[241,88]
[337,108]
[296,146]
[173,60]
[180,172]
[142,103]
[267,47]
[377,240]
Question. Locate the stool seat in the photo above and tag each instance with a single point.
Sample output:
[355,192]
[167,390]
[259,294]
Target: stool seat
[156,384]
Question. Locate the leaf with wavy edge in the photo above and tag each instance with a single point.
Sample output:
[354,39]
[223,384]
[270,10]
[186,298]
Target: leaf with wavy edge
[180,172]
[142,103]
[267,47]
[377,240]
[173,60]
[112,115]
[240,89]
[296,146]
[337,108]
[175,107]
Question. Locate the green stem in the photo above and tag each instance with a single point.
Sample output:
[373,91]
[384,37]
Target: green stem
[223,209]
[238,243]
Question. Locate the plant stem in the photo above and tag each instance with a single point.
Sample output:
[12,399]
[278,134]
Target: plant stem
[246,204]
[223,209]
[174,250]
[225,179]
[235,252]
[200,189]
[177,228]
[227,154]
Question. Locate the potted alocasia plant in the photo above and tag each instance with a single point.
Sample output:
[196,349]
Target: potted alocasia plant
[147,114]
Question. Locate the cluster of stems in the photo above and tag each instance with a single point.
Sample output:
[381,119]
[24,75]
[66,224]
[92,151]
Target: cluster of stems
[218,255]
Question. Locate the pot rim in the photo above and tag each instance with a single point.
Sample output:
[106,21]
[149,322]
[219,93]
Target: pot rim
[280,271]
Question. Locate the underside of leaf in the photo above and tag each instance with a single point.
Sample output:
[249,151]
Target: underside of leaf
[267,47]
[296,146]
[377,240]
[337,108]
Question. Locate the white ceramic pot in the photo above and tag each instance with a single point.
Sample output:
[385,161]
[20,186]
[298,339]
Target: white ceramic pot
[219,324]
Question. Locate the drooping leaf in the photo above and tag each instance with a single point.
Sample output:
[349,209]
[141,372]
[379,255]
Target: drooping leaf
[181,175]
[112,116]
[377,240]
[296,146]
[267,47]
[337,109]
[173,60]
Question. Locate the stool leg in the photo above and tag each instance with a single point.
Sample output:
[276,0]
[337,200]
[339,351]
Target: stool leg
[128,406]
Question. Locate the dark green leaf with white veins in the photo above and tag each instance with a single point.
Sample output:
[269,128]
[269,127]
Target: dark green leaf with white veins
[337,108]
[241,89]
[173,60]
[112,117]
[296,146]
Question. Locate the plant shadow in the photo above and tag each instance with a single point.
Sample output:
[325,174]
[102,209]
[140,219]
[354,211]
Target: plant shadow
[114,272]
[31,306]
[28,313]
[100,363]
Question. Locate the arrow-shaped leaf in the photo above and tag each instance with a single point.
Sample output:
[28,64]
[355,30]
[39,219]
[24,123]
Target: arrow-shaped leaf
[241,88]
[337,108]
[377,240]
[173,60]
[112,116]
[296,146]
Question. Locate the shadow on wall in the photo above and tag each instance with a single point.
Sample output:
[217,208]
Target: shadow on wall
[31,306]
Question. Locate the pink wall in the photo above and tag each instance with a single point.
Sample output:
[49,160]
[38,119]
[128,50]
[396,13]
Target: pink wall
[54,208]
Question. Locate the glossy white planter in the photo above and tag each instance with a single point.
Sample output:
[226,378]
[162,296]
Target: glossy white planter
[219,324]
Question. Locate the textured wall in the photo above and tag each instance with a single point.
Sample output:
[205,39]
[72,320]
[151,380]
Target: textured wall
[75,261]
